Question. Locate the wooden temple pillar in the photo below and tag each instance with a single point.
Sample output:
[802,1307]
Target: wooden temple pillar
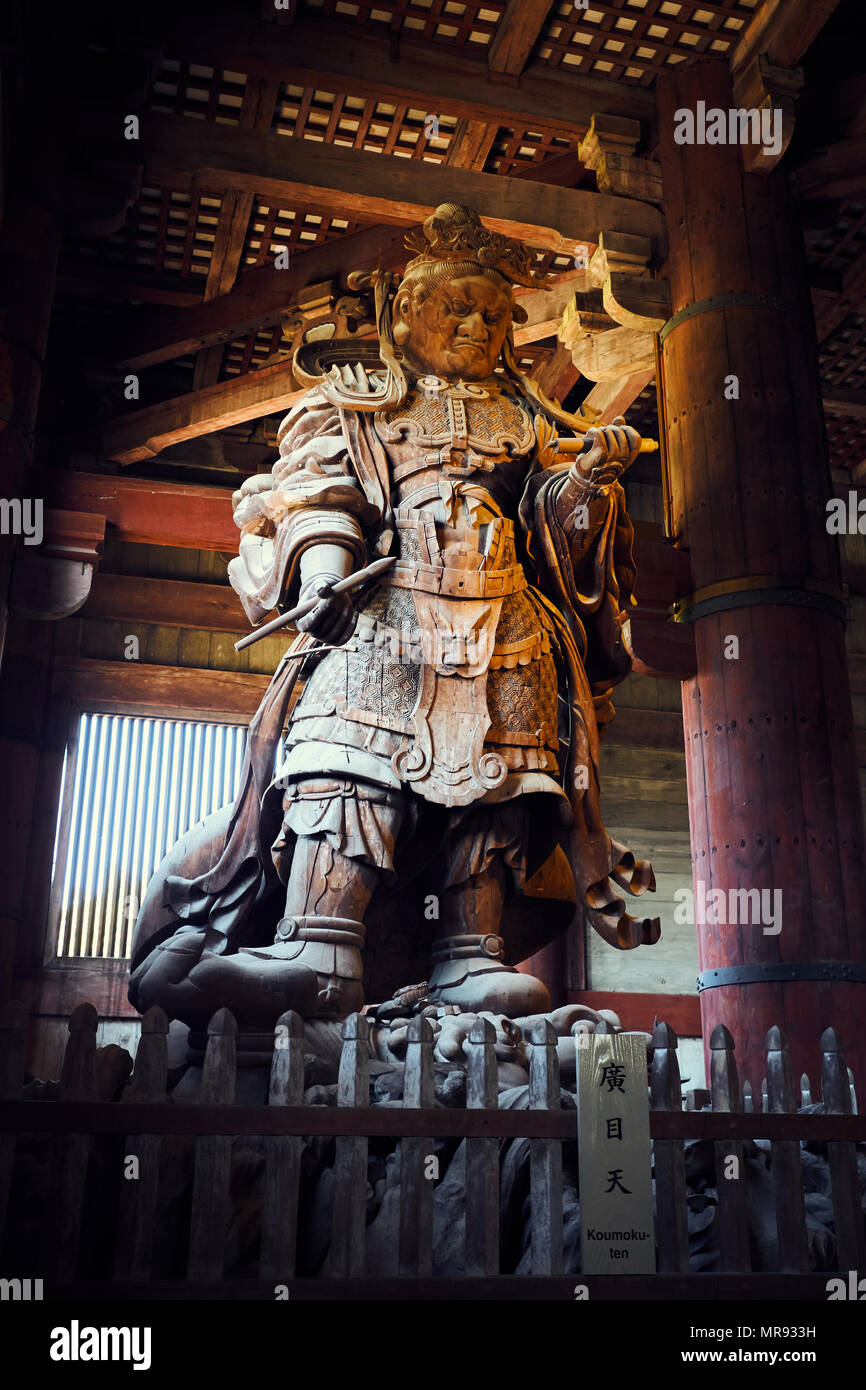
[29,247]
[774,798]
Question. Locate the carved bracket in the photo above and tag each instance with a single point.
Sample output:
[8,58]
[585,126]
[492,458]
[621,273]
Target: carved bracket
[616,353]
[324,311]
[52,580]
[631,297]
[608,150]
[762,87]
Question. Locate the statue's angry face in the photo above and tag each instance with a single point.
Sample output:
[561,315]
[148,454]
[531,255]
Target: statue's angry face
[453,328]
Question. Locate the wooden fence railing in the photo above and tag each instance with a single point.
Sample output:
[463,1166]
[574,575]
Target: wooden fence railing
[147,1119]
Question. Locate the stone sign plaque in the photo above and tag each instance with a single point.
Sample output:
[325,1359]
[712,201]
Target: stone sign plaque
[618,1231]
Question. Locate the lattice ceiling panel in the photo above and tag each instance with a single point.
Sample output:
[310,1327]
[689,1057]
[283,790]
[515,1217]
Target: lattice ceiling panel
[634,40]
[362,123]
[847,442]
[271,229]
[517,149]
[443,21]
[166,232]
[845,243]
[252,352]
[842,356]
[195,89]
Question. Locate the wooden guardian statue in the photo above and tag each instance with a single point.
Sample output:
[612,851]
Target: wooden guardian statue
[435,815]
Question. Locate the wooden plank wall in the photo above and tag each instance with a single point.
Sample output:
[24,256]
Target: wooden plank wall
[162,645]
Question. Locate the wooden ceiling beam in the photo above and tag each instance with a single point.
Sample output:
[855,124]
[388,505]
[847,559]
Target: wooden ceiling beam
[143,434]
[261,296]
[116,282]
[516,35]
[782,31]
[336,58]
[150,513]
[169,602]
[259,299]
[140,688]
[385,188]
[839,400]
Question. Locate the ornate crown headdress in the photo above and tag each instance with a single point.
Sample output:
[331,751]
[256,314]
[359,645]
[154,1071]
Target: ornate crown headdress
[455,233]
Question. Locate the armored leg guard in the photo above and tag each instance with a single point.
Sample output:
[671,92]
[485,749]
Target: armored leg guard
[331,948]
[468,970]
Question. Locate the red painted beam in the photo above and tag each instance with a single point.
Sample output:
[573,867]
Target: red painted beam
[152,513]
[637,1011]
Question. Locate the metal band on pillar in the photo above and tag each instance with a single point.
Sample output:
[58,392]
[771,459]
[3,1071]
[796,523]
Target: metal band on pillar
[786,590]
[720,301]
[811,972]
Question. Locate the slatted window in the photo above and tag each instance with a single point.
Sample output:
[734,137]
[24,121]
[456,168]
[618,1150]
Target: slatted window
[132,788]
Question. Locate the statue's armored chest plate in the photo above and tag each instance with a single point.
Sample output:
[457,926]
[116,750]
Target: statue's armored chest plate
[465,417]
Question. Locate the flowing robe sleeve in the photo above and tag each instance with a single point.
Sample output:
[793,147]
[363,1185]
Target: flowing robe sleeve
[580,539]
[312,496]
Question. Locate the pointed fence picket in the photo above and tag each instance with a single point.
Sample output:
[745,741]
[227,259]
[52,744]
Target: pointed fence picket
[139,1190]
[416,1183]
[77,1085]
[785,1162]
[146,1116]
[482,1155]
[283,1155]
[545,1155]
[213,1155]
[670,1169]
[837,1094]
[350,1162]
[729,1156]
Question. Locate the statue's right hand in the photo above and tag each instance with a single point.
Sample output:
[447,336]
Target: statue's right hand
[333,618]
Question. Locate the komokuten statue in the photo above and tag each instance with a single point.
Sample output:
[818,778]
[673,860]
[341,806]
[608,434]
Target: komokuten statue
[434,818]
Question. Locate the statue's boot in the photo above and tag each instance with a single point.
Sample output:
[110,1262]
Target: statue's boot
[191,986]
[329,946]
[468,970]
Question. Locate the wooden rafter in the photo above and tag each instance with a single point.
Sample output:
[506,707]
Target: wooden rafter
[470,144]
[145,433]
[516,34]
[384,188]
[257,110]
[168,602]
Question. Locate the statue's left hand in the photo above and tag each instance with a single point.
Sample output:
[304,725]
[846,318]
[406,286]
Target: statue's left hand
[612,449]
